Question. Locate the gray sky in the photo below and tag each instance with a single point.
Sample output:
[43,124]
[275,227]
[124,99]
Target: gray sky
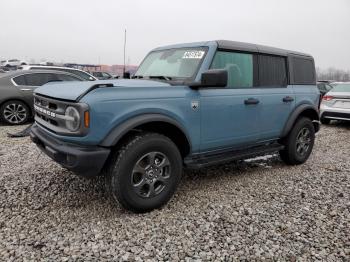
[87,31]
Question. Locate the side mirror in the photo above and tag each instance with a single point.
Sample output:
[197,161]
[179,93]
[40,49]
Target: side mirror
[212,78]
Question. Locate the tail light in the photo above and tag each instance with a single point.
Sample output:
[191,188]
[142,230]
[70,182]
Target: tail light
[327,98]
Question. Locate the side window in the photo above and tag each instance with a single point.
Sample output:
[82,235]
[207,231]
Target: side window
[272,71]
[81,74]
[39,79]
[19,80]
[322,86]
[61,77]
[239,67]
[304,71]
[98,74]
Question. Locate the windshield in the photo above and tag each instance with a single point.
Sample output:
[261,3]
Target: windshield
[172,63]
[341,88]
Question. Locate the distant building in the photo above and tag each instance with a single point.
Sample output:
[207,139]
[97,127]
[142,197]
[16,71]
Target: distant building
[112,69]
[117,69]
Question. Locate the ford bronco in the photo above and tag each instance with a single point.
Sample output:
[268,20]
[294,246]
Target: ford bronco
[188,105]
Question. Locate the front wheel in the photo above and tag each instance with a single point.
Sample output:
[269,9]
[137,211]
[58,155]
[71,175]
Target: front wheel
[299,142]
[144,174]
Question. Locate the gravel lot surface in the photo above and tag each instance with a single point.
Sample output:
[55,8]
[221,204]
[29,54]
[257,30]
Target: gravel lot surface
[252,210]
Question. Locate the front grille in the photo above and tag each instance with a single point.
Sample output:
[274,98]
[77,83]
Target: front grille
[50,114]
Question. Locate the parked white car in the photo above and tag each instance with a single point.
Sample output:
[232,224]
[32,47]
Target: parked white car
[336,103]
[13,62]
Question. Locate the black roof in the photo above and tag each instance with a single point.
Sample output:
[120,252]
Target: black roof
[240,46]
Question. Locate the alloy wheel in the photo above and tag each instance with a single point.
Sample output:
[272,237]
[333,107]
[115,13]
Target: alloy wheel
[15,113]
[150,174]
[303,141]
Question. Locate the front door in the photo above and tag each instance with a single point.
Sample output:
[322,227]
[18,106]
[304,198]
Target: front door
[229,115]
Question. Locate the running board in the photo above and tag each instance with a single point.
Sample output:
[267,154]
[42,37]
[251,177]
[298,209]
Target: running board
[227,156]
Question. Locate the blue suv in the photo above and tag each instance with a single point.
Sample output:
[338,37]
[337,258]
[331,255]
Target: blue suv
[188,105]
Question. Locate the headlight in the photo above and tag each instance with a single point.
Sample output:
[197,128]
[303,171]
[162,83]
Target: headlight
[72,119]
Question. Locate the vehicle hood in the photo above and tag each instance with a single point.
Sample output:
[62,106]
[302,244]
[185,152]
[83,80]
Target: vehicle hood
[74,91]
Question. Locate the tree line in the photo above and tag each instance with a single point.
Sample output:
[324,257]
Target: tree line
[333,74]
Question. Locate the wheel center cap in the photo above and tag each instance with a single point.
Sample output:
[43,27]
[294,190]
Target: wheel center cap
[150,173]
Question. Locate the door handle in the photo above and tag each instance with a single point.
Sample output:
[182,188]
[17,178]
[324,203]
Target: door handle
[251,101]
[288,99]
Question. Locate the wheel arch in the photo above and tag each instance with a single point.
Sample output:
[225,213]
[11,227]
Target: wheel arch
[157,123]
[306,110]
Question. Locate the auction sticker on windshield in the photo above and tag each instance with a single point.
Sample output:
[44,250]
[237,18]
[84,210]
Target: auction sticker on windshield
[195,54]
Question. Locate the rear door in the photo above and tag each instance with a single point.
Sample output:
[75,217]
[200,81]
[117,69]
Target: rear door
[277,97]
[229,115]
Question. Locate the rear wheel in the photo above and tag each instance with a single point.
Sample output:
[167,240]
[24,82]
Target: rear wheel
[144,174]
[299,142]
[14,112]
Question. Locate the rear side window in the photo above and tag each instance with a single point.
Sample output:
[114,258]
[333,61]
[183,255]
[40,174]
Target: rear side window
[303,71]
[19,80]
[239,67]
[272,71]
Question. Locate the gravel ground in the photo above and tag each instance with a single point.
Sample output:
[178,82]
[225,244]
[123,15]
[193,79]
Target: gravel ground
[251,210]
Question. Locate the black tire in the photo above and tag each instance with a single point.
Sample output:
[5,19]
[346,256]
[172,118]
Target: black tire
[296,152]
[325,121]
[21,113]
[135,194]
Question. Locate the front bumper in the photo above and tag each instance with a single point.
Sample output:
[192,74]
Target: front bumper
[86,161]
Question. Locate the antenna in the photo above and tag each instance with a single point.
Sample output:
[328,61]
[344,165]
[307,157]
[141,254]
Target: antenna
[124,51]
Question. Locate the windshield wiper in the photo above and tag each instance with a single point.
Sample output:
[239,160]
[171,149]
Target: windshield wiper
[161,77]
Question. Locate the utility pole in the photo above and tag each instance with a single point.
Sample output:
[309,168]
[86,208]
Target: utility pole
[124,51]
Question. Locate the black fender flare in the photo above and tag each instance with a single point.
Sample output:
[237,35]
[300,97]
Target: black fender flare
[119,131]
[296,113]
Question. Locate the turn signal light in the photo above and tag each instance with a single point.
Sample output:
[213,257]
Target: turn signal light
[327,98]
[86,119]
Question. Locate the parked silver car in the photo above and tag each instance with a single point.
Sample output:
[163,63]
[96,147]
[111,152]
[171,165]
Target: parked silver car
[336,103]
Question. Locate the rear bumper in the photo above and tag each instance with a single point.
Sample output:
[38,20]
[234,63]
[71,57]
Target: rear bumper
[84,161]
[335,113]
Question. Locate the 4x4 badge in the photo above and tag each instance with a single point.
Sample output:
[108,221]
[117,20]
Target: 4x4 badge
[194,105]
